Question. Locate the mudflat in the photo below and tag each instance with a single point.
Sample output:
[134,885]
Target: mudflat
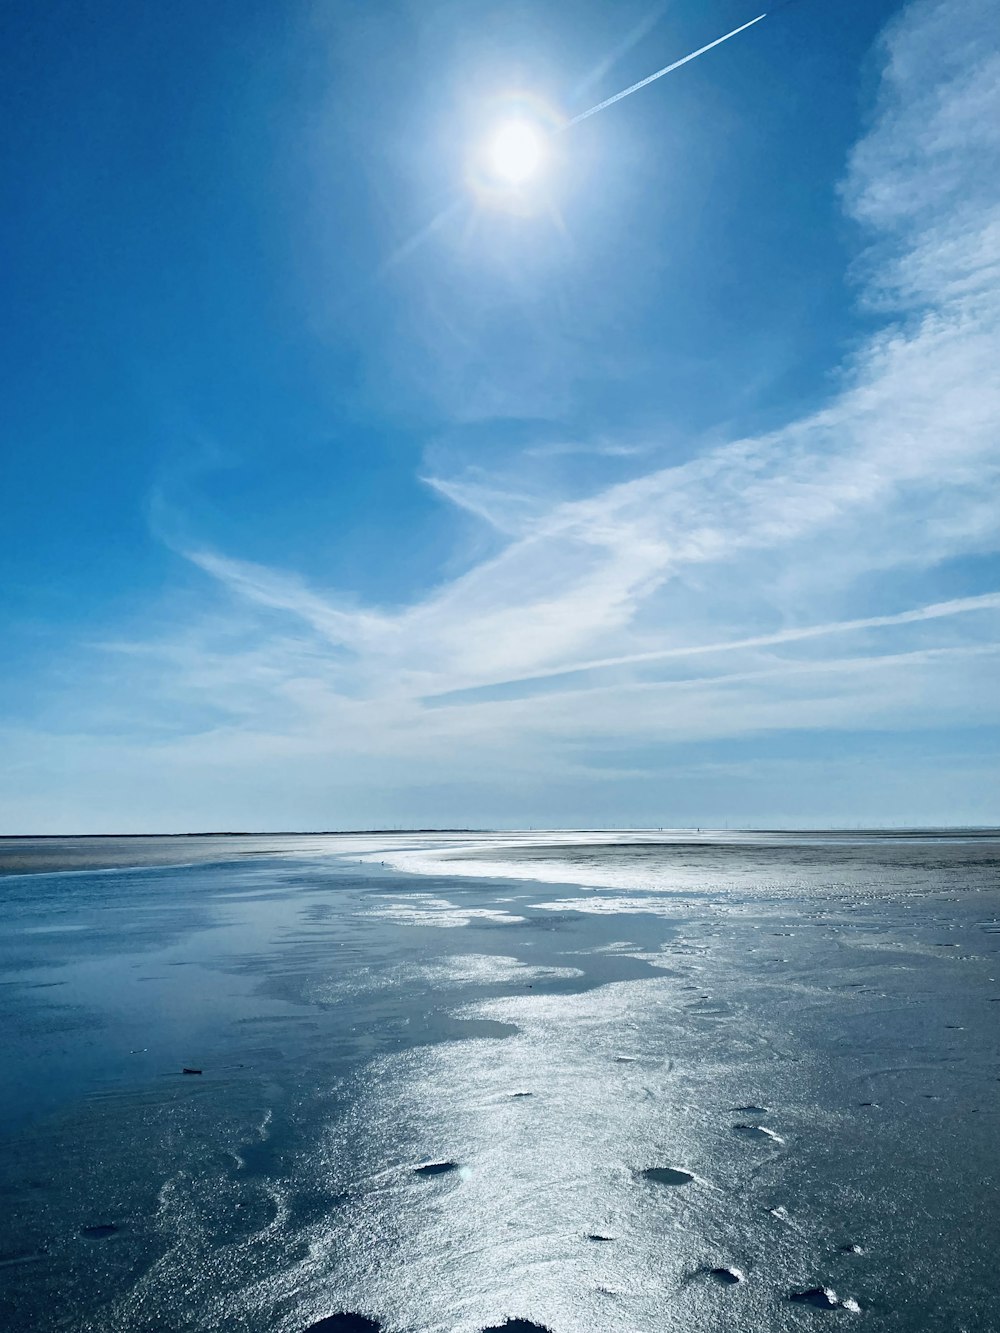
[563,1082]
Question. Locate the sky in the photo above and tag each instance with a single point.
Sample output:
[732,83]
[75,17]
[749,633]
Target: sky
[346,486]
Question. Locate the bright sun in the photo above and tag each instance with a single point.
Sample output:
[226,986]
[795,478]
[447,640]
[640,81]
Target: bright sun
[515,153]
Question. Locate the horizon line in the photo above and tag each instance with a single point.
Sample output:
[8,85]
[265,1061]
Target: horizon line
[554,828]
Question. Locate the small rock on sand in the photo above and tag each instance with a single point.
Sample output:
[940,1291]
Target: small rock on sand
[345,1322]
[435,1168]
[667,1175]
[727,1277]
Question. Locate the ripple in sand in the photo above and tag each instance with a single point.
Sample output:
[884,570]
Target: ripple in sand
[345,1322]
[435,1168]
[100,1232]
[667,1175]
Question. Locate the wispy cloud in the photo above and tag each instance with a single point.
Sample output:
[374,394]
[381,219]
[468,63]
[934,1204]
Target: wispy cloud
[896,472]
[760,552]
[936,611]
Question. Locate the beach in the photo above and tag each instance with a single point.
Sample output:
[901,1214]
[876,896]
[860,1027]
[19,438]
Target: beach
[607,1081]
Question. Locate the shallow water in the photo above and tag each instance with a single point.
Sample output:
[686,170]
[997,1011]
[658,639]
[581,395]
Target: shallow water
[593,1082]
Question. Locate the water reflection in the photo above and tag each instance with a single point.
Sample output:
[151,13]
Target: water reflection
[463,1105]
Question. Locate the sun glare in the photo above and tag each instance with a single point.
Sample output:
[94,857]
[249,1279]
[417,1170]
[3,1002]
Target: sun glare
[515,152]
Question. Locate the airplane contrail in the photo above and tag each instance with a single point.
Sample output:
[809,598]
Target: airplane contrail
[667,69]
[676,64]
[414,242]
[958,606]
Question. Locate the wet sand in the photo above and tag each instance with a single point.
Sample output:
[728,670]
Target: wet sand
[703,1085]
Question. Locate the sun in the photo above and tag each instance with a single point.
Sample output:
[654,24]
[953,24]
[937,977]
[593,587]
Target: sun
[515,152]
[514,142]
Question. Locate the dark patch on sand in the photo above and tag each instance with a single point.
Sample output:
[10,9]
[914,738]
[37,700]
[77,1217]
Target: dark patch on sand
[345,1323]
[522,1094]
[666,1175]
[596,1236]
[100,1232]
[435,1168]
[22,1257]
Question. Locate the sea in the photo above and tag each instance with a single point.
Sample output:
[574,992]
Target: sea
[636,1081]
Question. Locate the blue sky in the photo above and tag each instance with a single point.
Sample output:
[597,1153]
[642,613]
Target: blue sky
[342,492]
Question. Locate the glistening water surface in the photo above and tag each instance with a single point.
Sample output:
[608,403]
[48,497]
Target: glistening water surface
[567,1082]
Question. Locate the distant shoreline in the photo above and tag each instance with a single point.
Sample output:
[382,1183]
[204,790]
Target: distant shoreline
[247,833]
[917,830]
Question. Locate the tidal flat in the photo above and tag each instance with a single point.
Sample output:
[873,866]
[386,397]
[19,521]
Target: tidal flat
[446,1084]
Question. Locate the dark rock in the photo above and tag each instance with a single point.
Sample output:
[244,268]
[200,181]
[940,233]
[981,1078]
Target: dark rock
[820,1297]
[728,1277]
[667,1175]
[345,1322]
[517,1326]
[435,1168]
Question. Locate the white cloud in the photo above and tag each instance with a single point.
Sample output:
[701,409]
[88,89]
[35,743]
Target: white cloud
[897,470]
[748,542]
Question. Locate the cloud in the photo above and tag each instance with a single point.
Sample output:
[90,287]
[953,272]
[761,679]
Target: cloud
[956,607]
[896,471]
[761,553]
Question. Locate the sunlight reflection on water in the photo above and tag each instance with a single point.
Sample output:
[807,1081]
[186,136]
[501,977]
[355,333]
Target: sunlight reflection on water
[444,1106]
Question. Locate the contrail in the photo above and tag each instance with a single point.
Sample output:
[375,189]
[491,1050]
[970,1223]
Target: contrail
[667,69]
[958,606]
[415,241]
